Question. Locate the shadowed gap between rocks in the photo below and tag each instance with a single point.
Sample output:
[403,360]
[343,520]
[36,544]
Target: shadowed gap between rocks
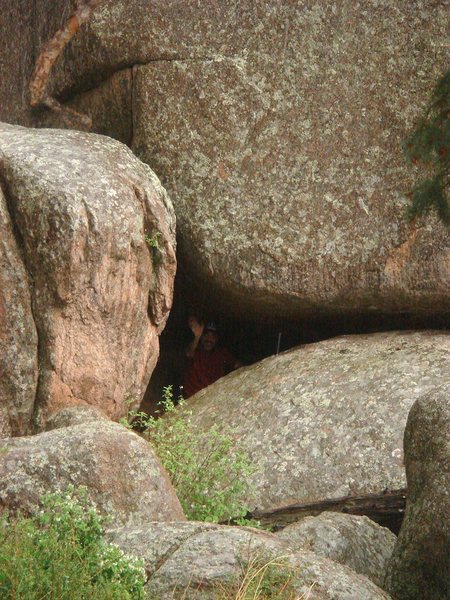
[251,338]
[18,237]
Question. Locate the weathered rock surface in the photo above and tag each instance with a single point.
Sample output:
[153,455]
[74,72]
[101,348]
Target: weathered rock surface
[82,206]
[18,338]
[24,27]
[123,476]
[277,129]
[196,560]
[420,563]
[74,415]
[357,542]
[326,420]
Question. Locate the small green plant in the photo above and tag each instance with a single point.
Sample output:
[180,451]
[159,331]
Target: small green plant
[208,471]
[153,241]
[429,144]
[130,421]
[61,554]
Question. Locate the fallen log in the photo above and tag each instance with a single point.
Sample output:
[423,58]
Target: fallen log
[387,509]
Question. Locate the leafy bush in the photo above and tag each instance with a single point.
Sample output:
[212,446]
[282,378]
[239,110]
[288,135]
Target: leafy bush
[208,471]
[61,554]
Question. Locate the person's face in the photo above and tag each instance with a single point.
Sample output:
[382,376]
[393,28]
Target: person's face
[209,340]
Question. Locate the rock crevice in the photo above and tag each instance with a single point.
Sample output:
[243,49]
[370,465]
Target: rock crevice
[19,334]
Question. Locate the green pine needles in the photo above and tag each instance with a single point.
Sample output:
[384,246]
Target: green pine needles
[429,145]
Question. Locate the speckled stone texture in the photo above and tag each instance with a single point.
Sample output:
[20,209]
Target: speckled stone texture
[420,564]
[358,542]
[277,129]
[122,474]
[74,415]
[25,25]
[196,560]
[326,420]
[81,206]
[18,338]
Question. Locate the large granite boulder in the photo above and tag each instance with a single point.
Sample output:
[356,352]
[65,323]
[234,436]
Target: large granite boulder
[357,542]
[277,129]
[420,564]
[124,478]
[326,420]
[83,211]
[201,561]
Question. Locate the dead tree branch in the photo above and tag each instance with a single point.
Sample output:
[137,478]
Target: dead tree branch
[49,55]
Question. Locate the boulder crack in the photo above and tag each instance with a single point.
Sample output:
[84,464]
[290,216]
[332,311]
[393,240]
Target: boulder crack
[72,91]
[18,237]
[174,548]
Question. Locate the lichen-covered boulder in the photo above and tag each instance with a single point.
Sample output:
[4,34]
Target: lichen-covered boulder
[326,420]
[201,560]
[97,237]
[124,478]
[358,542]
[277,128]
[18,337]
[420,563]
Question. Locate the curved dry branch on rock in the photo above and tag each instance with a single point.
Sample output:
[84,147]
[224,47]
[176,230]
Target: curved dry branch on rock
[49,55]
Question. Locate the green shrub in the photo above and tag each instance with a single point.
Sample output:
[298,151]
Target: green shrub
[208,471]
[61,554]
[429,145]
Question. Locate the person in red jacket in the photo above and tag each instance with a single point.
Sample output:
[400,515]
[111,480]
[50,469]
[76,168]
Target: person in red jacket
[207,360]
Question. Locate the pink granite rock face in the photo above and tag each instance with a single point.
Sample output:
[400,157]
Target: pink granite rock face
[277,129]
[24,27]
[83,207]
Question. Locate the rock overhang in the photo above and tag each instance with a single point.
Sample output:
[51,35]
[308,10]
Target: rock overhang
[277,130]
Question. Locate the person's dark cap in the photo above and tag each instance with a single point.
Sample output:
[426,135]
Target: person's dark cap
[211,326]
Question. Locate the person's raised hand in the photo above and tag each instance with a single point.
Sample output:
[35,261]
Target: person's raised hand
[196,327]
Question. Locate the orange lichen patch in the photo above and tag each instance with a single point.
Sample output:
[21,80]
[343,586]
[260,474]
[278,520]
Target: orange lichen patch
[400,255]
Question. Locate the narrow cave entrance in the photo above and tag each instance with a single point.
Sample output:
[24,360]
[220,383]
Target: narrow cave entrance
[252,338]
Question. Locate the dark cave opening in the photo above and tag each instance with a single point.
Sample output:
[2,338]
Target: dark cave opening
[252,337]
